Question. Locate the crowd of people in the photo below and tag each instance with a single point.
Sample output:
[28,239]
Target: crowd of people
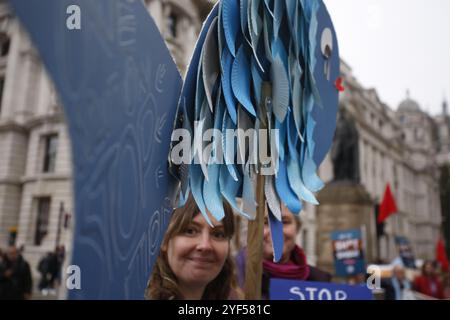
[196,262]
[430,283]
[16,281]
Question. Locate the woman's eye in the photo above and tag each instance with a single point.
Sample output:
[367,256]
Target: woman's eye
[219,235]
[190,231]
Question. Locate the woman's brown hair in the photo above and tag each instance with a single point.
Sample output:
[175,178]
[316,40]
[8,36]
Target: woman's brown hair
[163,282]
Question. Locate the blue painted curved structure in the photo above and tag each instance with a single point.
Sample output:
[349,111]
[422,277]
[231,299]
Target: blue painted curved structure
[120,87]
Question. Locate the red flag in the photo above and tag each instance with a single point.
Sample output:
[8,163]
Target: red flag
[387,206]
[441,255]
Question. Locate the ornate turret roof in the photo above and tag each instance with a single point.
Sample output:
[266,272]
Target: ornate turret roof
[409,104]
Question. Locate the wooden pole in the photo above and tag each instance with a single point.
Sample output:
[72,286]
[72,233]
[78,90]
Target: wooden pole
[255,231]
[255,234]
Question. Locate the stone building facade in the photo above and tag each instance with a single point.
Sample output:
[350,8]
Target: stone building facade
[396,147]
[443,160]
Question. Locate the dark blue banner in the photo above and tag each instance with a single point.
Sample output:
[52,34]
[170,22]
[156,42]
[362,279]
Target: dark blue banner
[281,289]
[348,253]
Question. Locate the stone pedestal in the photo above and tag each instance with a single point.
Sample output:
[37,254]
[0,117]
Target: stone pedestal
[343,206]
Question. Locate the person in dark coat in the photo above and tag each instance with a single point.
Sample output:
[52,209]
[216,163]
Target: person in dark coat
[293,264]
[2,269]
[15,277]
[395,286]
[47,267]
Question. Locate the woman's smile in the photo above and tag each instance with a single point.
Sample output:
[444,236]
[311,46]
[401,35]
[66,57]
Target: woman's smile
[202,260]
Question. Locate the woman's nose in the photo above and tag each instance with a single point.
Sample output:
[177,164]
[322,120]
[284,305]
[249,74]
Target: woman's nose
[205,242]
[266,233]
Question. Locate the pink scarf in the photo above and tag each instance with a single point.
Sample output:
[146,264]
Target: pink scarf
[295,268]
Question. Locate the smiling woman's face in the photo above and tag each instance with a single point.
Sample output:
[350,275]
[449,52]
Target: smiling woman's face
[197,255]
[290,230]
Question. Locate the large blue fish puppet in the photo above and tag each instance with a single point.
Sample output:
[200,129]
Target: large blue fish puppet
[289,46]
[258,64]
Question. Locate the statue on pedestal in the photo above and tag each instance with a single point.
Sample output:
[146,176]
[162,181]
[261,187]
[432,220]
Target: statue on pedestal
[345,149]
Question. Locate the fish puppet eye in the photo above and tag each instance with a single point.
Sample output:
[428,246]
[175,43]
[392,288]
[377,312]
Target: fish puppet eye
[326,45]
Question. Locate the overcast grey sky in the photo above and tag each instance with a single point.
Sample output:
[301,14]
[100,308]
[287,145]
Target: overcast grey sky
[395,45]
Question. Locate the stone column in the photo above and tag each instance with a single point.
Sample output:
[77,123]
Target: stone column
[343,206]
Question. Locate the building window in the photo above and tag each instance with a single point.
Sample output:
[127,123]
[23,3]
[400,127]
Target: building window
[382,167]
[172,22]
[443,131]
[394,170]
[416,134]
[2,85]
[43,213]
[4,45]
[5,48]
[51,146]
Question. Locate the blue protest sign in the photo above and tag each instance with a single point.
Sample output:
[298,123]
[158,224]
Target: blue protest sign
[348,253]
[281,289]
[120,87]
[405,252]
